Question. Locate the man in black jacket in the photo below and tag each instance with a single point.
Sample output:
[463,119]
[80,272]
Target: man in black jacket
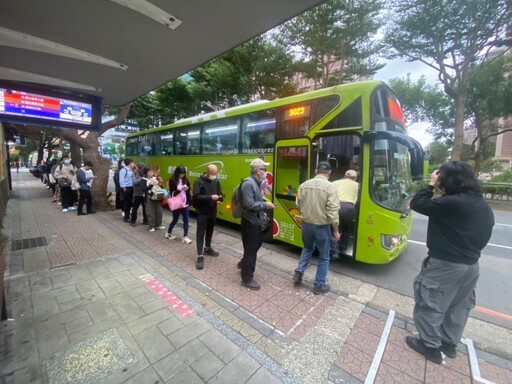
[253,219]
[207,193]
[459,227]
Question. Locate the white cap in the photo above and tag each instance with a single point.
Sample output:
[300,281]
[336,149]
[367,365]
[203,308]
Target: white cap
[258,163]
[351,173]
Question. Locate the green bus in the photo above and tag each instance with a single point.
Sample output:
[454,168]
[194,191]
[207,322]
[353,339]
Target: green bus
[357,126]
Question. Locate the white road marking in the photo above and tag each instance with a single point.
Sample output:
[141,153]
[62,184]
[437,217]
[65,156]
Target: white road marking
[372,372]
[473,362]
[488,244]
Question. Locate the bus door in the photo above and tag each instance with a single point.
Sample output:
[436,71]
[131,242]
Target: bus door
[292,168]
[342,150]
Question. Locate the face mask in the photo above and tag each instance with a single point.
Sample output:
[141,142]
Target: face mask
[122,164]
[212,177]
[67,162]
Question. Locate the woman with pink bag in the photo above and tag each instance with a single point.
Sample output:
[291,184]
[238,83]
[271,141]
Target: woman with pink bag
[179,201]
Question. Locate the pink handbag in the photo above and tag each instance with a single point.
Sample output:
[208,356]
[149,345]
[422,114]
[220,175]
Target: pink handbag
[177,201]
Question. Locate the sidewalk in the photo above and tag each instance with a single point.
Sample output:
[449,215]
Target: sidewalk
[94,300]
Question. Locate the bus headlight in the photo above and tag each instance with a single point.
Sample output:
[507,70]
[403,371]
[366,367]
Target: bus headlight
[388,242]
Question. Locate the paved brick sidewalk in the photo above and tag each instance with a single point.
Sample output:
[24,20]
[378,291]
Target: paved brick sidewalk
[129,306]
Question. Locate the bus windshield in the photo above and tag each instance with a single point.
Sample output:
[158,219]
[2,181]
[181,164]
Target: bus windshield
[391,183]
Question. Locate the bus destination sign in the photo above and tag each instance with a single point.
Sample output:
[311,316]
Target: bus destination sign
[297,112]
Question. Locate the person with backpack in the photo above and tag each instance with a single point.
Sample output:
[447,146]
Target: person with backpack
[64,175]
[207,193]
[179,184]
[254,221]
[138,195]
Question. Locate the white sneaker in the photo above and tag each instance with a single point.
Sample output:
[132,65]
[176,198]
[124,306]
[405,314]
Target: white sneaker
[122,214]
[160,227]
[170,236]
[72,208]
[65,210]
[151,229]
[186,240]
[59,203]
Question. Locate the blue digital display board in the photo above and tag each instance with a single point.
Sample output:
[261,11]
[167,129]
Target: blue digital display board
[27,105]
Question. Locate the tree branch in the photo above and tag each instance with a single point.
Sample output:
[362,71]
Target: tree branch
[117,120]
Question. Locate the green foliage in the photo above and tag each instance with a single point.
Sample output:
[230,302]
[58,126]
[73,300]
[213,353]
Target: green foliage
[505,177]
[438,152]
[490,165]
[448,35]
[336,30]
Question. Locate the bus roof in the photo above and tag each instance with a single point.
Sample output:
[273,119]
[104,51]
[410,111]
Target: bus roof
[361,87]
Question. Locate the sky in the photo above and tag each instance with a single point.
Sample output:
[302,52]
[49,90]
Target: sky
[399,68]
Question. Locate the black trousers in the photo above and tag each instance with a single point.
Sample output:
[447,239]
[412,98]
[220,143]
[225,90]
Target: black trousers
[137,202]
[85,197]
[252,238]
[127,202]
[347,215]
[205,224]
[67,197]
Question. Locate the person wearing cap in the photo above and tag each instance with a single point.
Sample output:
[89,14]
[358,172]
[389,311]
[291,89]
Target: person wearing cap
[253,220]
[138,195]
[207,194]
[348,189]
[85,189]
[319,204]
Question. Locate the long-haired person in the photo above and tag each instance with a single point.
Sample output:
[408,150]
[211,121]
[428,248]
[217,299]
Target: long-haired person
[460,224]
[179,185]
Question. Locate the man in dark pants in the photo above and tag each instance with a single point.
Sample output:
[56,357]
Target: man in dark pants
[207,193]
[459,227]
[85,189]
[126,184]
[252,221]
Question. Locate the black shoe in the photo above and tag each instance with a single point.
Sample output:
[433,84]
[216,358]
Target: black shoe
[210,252]
[126,221]
[432,354]
[200,262]
[297,277]
[239,265]
[133,224]
[81,213]
[253,285]
[323,288]
[449,350]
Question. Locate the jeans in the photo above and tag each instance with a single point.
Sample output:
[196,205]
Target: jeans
[347,215]
[252,238]
[176,216]
[66,197]
[205,224]
[316,236]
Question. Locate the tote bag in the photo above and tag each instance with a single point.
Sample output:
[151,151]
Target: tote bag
[177,201]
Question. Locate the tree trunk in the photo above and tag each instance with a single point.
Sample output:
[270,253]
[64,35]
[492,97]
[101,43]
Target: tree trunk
[458,136]
[74,154]
[101,169]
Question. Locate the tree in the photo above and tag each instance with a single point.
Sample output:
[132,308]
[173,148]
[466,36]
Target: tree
[448,36]
[438,153]
[489,98]
[88,142]
[423,102]
[336,31]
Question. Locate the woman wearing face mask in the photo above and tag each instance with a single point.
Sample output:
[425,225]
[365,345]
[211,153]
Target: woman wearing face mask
[207,194]
[64,174]
[180,184]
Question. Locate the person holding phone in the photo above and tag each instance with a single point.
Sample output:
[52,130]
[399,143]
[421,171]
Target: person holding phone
[180,184]
[459,226]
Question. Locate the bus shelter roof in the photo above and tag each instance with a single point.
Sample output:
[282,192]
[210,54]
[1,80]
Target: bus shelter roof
[122,49]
